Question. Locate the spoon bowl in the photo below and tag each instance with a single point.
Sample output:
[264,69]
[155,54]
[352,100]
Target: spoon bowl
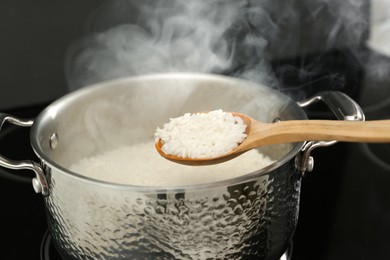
[262,134]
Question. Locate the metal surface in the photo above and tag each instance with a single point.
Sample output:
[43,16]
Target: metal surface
[249,216]
[256,218]
[48,251]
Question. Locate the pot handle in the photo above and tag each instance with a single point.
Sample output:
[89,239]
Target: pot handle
[343,107]
[40,184]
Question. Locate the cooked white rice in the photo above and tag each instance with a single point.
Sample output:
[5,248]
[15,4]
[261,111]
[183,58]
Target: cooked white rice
[201,135]
[142,165]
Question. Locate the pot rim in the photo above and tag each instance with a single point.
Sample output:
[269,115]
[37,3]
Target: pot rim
[47,162]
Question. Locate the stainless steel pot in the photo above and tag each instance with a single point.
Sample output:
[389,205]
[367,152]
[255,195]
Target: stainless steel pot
[251,216]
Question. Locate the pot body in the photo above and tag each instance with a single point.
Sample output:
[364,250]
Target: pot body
[254,219]
[252,216]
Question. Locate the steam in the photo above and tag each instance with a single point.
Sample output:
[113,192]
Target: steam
[240,38]
[165,36]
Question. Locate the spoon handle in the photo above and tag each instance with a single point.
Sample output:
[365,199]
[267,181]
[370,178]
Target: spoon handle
[320,130]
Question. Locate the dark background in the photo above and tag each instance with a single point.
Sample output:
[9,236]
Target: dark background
[34,37]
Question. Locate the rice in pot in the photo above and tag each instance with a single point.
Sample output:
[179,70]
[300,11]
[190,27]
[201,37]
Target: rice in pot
[141,164]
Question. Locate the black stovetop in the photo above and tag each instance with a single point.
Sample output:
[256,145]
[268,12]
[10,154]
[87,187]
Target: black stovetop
[345,201]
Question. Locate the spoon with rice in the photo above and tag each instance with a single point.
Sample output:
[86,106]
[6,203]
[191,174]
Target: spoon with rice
[218,136]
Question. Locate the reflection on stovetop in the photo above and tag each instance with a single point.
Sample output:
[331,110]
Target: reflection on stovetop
[345,201]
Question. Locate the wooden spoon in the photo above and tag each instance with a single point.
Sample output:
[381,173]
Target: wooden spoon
[261,134]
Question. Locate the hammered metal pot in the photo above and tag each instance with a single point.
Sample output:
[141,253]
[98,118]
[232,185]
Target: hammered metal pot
[252,216]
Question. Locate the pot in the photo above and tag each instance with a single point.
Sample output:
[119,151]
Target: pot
[250,216]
